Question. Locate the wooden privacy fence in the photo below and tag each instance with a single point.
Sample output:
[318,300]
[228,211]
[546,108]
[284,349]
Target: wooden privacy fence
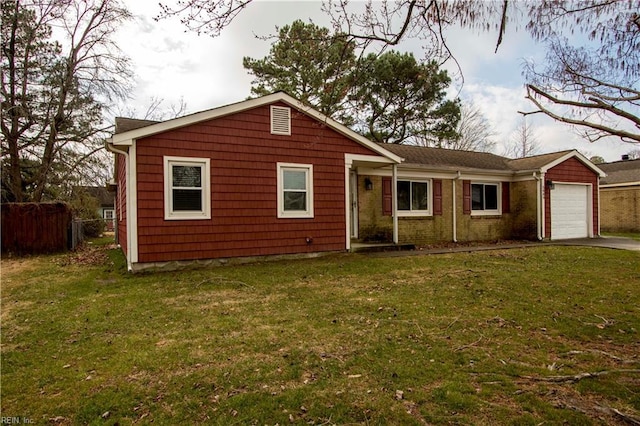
[31,228]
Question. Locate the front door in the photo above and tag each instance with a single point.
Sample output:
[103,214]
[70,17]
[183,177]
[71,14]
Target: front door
[353,198]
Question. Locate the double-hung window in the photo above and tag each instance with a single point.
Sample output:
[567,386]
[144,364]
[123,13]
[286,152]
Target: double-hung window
[187,192]
[295,190]
[413,198]
[485,198]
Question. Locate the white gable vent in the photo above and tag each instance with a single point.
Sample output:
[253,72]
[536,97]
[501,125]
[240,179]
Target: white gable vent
[280,120]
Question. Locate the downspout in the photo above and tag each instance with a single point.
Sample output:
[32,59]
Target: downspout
[110,147]
[598,207]
[394,201]
[539,205]
[347,200]
[454,214]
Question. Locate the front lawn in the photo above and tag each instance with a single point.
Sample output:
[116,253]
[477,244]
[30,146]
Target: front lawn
[500,337]
[632,235]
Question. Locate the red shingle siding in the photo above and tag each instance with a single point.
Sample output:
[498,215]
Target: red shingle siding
[571,170]
[121,201]
[243,157]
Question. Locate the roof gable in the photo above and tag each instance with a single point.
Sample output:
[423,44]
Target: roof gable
[128,137]
[536,162]
[569,154]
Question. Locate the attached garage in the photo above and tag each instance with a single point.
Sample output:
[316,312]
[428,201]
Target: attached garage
[570,211]
[571,199]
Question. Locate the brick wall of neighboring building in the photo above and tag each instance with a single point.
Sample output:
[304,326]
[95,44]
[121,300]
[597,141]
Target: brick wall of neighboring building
[620,209]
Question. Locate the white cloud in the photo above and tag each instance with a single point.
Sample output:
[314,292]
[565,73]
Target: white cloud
[206,72]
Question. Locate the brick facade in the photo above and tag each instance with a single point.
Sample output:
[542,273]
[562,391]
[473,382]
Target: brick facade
[480,228]
[524,210]
[519,223]
[620,209]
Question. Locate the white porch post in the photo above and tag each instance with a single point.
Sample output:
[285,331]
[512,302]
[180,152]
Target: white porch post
[394,201]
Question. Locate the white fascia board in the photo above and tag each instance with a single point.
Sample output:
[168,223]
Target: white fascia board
[580,157]
[619,185]
[373,161]
[464,171]
[404,171]
[525,176]
[486,177]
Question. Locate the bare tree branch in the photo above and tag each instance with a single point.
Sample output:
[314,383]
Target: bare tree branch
[608,130]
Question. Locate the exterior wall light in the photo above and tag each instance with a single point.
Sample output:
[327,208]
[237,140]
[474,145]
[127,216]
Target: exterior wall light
[368,185]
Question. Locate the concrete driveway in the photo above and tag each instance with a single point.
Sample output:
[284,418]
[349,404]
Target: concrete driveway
[619,243]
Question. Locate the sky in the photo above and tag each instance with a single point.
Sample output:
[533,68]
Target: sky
[172,64]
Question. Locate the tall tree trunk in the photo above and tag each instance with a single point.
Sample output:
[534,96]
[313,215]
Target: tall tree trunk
[12,135]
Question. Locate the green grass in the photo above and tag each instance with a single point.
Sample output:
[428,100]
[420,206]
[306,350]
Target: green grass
[632,235]
[345,339]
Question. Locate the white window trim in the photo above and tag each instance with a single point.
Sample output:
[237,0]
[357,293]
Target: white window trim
[205,164]
[418,213]
[306,214]
[104,214]
[495,212]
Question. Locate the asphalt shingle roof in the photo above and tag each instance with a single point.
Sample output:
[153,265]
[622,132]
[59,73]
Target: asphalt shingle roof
[535,162]
[620,172]
[456,159]
[126,124]
[448,158]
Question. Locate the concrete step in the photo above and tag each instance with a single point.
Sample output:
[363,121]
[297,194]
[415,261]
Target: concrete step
[380,247]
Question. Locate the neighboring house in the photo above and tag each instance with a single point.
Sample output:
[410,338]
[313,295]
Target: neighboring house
[271,176]
[106,207]
[620,196]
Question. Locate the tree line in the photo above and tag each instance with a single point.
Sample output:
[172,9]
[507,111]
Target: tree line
[591,86]
[388,97]
[61,71]
[62,74]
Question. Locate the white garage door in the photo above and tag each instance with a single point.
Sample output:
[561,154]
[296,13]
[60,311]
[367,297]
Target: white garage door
[569,211]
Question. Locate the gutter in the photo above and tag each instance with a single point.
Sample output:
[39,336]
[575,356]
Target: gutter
[111,148]
[394,201]
[598,192]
